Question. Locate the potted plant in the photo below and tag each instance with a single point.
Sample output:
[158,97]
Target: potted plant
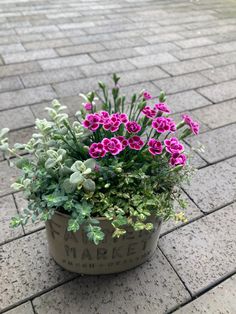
[105,182]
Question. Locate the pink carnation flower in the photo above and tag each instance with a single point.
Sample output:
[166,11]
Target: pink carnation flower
[123,117]
[174,146]
[123,140]
[135,142]
[147,95]
[163,107]
[162,124]
[88,106]
[97,150]
[92,122]
[132,127]
[178,159]
[112,145]
[113,123]
[149,112]
[155,147]
[194,126]
[104,116]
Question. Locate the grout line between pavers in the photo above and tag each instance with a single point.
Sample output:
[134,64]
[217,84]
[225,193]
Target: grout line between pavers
[22,236]
[32,305]
[205,290]
[178,275]
[38,294]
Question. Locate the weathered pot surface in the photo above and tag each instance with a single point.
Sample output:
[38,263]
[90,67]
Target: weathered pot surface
[74,252]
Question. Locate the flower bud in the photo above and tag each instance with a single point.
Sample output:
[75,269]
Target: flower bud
[141,105]
[88,106]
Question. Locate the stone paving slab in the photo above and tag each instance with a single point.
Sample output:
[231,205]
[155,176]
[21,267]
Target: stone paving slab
[22,117]
[62,62]
[19,68]
[26,96]
[181,83]
[219,92]
[218,144]
[10,83]
[185,67]
[80,49]
[156,48]
[124,43]
[225,73]
[214,186]
[217,115]
[221,59]
[109,55]
[25,308]
[107,67]
[28,56]
[191,212]
[11,48]
[51,76]
[8,176]
[72,88]
[7,210]
[152,60]
[141,75]
[194,158]
[27,269]
[192,53]
[194,42]
[151,288]
[203,251]
[220,300]
[44,44]
[186,101]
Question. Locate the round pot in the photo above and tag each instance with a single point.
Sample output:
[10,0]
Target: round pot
[74,252]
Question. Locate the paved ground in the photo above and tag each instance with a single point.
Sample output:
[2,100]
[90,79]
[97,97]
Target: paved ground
[57,49]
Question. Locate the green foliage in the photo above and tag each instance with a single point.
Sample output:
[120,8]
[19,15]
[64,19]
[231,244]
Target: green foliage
[60,175]
[94,233]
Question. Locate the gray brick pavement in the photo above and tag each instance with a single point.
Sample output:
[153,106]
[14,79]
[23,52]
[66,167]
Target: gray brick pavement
[58,50]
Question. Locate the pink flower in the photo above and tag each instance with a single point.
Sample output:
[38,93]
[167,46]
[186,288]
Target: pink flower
[149,112]
[174,146]
[178,159]
[88,106]
[163,107]
[147,95]
[104,116]
[123,117]
[123,140]
[162,124]
[113,123]
[92,122]
[172,125]
[135,142]
[112,145]
[155,147]
[194,126]
[97,150]
[132,127]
